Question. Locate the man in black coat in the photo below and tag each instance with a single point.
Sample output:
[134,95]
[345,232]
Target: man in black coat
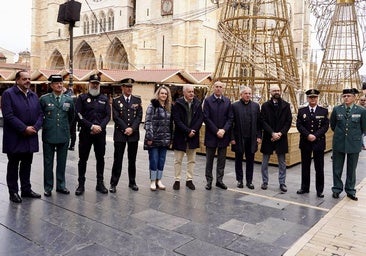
[276,122]
[127,116]
[312,122]
[246,135]
[218,118]
[188,117]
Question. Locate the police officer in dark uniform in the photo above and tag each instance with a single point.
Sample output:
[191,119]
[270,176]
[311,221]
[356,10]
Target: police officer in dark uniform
[348,122]
[59,112]
[93,111]
[127,116]
[312,123]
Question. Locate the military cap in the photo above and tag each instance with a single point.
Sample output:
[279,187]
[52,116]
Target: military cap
[350,91]
[55,78]
[312,92]
[94,79]
[127,82]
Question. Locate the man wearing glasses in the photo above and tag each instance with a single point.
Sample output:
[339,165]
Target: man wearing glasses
[348,122]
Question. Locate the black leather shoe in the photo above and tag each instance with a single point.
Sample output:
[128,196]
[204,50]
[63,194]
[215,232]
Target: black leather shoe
[64,191]
[80,190]
[353,197]
[31,194]
[48,193]
[335,195]
[302,191]
[221,185]
[112,189]
[283,188]
[190,185]
[14,197]
[176,185]
[71,148]
[208,186]
[134,187]
[320,195]
[250,185]
[264,186]
[240,184]
[101,188]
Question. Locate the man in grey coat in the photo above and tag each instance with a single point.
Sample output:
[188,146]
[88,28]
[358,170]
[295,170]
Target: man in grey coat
[246,135]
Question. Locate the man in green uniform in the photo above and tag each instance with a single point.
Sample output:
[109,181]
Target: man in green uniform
[58,111]
[348,122]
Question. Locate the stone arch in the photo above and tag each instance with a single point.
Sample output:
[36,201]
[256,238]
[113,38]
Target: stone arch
[56,60]
[117,57]
[84,57]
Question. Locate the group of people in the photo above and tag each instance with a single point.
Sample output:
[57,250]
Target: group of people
[243,124]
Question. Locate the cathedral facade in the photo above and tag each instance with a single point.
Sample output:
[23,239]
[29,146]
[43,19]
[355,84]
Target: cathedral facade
[144,34]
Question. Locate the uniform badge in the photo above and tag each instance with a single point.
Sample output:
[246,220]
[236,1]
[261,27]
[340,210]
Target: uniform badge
[120,105]
[88,100]
[304,116]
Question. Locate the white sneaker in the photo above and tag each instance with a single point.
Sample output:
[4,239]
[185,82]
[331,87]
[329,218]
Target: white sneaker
[153,185]
[160,185]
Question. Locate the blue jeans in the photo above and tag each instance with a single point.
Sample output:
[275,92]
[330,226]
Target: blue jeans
[157,157]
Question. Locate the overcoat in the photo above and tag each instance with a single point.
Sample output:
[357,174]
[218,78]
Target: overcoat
[126,115]
[158,126]
[318,125]
[20,111]
[57,117]
[217,114]
[240,121]
[181,127]
[348,129]
[275,119]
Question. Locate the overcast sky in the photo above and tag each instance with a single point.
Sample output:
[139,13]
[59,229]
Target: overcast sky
[15,25]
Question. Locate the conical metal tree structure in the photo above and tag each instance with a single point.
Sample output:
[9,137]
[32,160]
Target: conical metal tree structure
[257,49]
[339,35]
[342,57]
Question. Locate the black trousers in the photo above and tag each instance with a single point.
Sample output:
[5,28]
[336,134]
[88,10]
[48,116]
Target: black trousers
[119,150]
[86,141]
[19,163]
[319,169]
[249,160]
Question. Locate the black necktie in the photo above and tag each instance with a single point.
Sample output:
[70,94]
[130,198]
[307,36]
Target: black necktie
[58,99]
[311,111]
[128,101]
[348,109]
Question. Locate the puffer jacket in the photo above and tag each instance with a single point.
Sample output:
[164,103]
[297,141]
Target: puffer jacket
[158,126]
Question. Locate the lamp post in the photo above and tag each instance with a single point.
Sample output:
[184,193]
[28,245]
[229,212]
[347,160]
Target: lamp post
[69,13]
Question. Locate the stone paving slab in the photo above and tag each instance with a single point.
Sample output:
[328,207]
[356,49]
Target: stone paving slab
[167,222]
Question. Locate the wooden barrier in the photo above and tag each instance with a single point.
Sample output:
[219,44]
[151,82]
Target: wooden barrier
[292,158]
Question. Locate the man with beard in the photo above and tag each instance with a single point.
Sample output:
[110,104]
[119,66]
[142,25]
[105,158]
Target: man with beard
[94,112]
[276,121]
[22,121]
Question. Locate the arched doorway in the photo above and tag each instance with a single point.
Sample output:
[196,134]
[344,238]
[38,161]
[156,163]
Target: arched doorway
[117,56]
[84,57]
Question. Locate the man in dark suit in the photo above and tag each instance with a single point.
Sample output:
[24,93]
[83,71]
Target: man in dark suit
[246,135]
[348,121]
[58,113]
[22,120]
[312,123]
[127,116]
[276,121]
[218,117]
[93,112]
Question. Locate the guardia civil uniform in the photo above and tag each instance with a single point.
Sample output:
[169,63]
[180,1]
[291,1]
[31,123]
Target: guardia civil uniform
[58,113]
[348,126]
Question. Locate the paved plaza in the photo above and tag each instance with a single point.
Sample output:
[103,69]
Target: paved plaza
[217,222]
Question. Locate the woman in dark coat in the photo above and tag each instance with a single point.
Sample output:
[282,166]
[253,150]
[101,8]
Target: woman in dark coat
[158,126]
